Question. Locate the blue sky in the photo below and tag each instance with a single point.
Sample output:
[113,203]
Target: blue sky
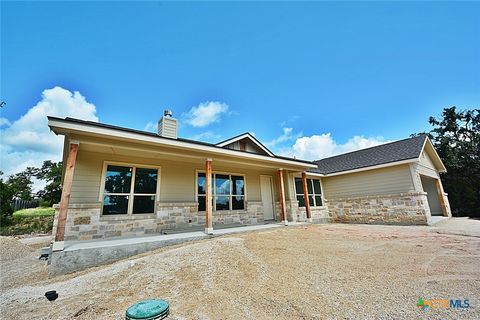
[350,74]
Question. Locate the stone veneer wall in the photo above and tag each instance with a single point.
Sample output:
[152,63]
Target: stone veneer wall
[403,208]
[317,214]
[84,221]
[297,214]
[290,210]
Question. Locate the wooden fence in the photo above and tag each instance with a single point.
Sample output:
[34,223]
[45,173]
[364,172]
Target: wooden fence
[19,204]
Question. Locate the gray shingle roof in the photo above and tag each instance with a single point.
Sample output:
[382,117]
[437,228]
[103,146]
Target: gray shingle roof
[390,152]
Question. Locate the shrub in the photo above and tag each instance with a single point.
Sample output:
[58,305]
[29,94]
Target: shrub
[6,210]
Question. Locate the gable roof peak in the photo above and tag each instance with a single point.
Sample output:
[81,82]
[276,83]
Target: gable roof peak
[246,135]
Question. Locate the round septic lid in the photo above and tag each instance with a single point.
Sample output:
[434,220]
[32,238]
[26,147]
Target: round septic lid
[148,309]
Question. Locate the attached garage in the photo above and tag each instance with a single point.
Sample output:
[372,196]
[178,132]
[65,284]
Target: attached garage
[394,183]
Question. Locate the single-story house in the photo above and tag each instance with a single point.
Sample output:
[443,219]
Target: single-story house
[120,182]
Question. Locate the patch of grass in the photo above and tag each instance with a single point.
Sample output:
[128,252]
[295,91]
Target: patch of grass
[34,212]
[27,221]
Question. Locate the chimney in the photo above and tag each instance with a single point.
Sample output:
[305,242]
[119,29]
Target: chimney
[167,126]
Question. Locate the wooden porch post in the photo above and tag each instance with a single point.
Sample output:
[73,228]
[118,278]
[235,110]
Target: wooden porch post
[305,195]
[66,190]
[208,197]
[441,196]
[281,191]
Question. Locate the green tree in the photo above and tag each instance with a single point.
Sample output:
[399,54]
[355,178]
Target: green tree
[21,184]
[51,172]
[456,137]
[6,195]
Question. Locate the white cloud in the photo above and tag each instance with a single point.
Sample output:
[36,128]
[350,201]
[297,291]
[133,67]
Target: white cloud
[207,136]
[287,135]
[151,127]
[4,122]
[205,113]
[321,146]
[28,140]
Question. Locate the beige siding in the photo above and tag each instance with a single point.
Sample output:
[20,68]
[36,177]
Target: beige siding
[426,166]
[86,178]
[177,181]
[390,180]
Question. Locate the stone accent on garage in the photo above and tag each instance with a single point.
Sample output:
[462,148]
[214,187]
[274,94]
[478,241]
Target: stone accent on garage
[402,209]
[85,222]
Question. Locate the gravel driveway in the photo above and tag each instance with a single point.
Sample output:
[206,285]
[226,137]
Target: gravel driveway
[314,272]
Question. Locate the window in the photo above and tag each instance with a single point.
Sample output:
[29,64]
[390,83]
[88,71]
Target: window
[129,190]
[313,189]
[228,192]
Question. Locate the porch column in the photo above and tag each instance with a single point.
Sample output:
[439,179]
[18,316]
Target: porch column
[208,197]
[66,190]
[281,191]
[441,197]
[305,195]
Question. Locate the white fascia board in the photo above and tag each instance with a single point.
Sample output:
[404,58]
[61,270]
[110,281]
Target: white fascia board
[226,142]
[243,136]
[59,124]
[385,165]
[314,174]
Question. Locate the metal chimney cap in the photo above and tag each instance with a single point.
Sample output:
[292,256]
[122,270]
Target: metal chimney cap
[167,113]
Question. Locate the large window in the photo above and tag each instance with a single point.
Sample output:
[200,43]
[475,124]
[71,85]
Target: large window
[228,192]
[129,190]
[314,192]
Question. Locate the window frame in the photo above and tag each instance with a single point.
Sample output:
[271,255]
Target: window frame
[314,204]
[230,196]
[132,193]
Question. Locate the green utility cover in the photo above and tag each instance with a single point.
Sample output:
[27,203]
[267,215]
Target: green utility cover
[147,309]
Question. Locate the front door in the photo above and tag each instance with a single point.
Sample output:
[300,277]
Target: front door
[267,197]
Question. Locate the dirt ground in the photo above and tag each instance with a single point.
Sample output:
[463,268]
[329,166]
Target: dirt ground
[305,272]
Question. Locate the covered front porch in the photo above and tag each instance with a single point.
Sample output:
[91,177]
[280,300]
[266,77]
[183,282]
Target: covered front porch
[191,190]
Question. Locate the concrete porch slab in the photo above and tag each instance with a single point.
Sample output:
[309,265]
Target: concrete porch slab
[78,255]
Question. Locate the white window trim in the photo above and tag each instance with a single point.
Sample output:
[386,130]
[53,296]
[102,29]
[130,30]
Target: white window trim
[230,195]
[134,166]
[310,194]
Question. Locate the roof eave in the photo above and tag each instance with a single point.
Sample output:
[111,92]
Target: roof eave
[64,126]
